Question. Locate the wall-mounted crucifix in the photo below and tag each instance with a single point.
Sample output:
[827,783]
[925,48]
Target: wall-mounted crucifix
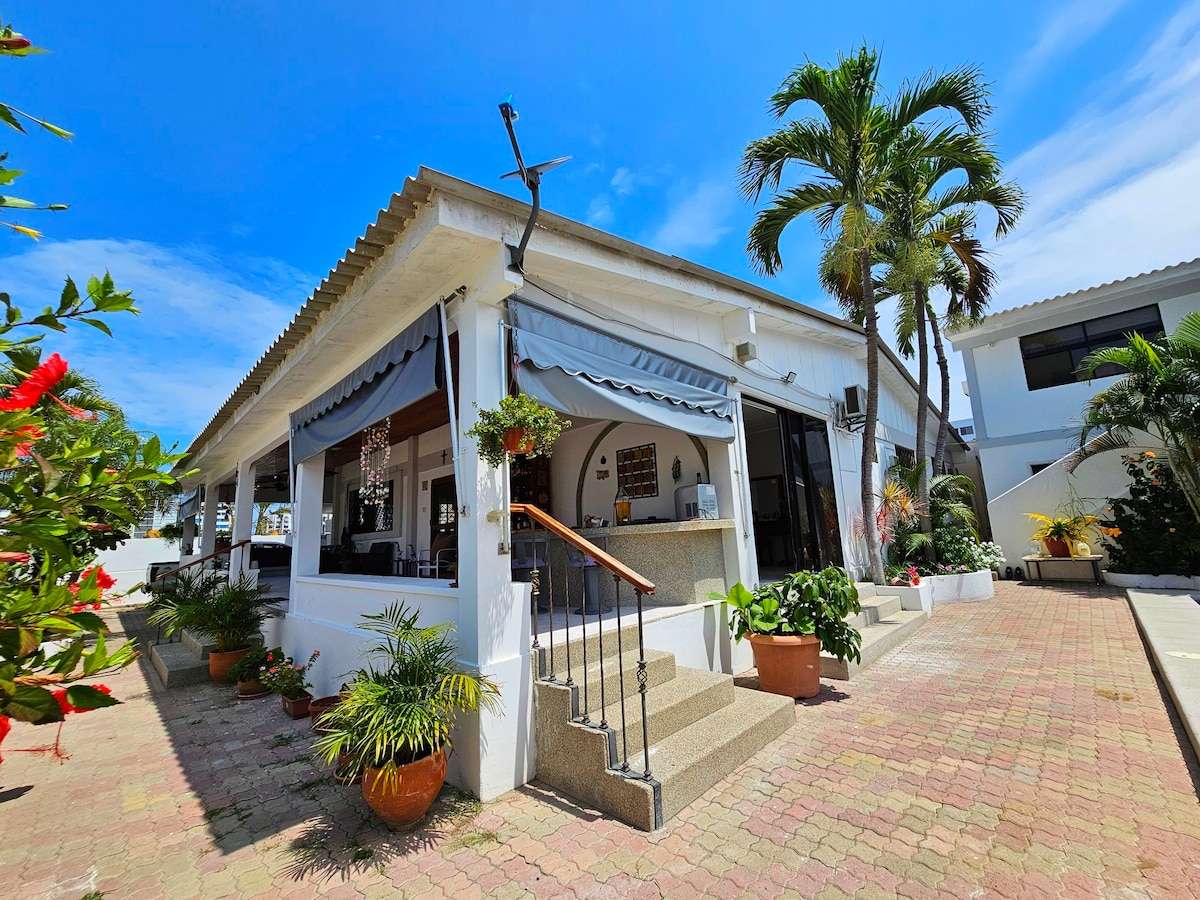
[443,457]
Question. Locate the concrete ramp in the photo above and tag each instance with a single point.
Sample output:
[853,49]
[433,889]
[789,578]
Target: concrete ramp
[1170,625]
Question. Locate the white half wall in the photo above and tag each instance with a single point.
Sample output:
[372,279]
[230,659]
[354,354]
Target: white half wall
[128,562]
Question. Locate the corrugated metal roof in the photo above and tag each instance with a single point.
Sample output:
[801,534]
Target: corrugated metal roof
[380,235]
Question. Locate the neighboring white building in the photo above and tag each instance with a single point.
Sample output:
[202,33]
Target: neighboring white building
[673,374]
[1026,399]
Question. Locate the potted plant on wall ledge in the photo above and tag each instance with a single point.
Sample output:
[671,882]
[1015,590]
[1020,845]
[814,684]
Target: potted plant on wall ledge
[1061,535]
[393,723]
[519,426]
[790,621]
[230,614]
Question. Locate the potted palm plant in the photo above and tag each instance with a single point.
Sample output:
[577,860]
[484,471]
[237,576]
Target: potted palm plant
[393,722]
[520,425]
[1060,534]
[228,613]
[789,622]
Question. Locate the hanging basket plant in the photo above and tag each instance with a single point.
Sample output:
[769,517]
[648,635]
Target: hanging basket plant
[519,426]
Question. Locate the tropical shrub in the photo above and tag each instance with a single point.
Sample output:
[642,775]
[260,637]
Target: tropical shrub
[1151,532]
[228,612]
[804,602]
[250,666]
[402,706]
[957,549]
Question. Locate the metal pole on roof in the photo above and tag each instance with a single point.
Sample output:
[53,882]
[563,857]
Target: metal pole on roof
[458,492]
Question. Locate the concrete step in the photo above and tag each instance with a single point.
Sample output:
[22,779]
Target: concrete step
[688,697]
[874,609]
[660,668]
[177,665]
[612,642]
[693,759]
[877,639]
[194,644]
[865,589]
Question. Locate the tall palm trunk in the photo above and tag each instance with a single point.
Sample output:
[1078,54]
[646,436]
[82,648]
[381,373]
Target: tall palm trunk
[867,481]
[921,454]
[939,453]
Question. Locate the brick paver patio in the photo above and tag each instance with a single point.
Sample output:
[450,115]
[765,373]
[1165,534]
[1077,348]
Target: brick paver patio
[1018,747]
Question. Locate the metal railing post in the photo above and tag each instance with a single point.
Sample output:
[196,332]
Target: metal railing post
[621,676]
[643,676]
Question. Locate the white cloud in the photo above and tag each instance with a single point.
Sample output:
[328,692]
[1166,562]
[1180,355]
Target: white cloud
[1114,192]
[697,220]
[600,212]
[1071,26]
[201,328]
[625,181]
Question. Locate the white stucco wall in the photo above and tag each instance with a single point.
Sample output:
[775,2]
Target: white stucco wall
[128,562]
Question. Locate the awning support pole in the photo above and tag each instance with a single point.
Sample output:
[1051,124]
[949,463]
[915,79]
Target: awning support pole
[462,509]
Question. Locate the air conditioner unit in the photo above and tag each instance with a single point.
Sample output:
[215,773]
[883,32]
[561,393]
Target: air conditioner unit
[745,351]
[856,401]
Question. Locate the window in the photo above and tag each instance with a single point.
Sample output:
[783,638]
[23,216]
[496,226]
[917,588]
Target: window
[906,458]
[367,518]
[637,471]
[1053,357]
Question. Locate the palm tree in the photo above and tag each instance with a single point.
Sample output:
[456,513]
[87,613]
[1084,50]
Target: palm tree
[1160,395]
[848,153]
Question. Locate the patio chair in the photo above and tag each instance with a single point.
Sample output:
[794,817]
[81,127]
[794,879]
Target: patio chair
[442,555]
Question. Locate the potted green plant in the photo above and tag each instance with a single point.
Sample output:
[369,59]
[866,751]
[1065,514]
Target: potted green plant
[289,679]
[393,724]
[247,673]
[1060,534]
[228,613]
[520,425]
[788,622]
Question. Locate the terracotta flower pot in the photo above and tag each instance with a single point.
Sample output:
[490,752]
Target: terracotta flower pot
[321,705]
[789,665]
[219,664]
[1057,548]
[343,773]
[402,798]
[297,708]
[515,442]
[252,689]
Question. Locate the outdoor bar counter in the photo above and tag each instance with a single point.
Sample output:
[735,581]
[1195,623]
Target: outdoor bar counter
[685,560]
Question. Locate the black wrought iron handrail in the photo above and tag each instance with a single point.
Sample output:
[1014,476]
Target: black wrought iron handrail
[196,562]
[642,587]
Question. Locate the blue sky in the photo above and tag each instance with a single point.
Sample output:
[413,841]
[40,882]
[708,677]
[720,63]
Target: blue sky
[227,154]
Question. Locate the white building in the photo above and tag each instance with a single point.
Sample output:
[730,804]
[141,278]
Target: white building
[673,374]
[1026,400]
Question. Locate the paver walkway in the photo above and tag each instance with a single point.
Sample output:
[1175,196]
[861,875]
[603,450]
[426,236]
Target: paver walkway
[1018,747]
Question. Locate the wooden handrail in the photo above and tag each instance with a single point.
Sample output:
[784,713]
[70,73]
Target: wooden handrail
[583,545]
[195,562]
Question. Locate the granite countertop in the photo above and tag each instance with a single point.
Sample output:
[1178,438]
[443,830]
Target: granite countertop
[614,531]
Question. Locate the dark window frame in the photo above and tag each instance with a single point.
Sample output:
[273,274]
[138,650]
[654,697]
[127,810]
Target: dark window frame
[1092,335]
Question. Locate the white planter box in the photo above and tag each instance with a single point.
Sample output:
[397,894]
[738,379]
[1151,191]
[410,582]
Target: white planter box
[1153,582]
[935,589]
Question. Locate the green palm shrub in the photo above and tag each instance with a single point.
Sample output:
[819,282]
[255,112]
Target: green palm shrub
[401,707]
[228,613]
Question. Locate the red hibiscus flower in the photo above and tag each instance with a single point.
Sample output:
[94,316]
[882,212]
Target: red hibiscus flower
[39,382]
[5,725]
[104,581]
[12,556]
[65,705]
[32,432]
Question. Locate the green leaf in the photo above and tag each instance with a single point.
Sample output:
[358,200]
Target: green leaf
[16,203]
[33,704]
[82,696]
[96,323]
[9,119]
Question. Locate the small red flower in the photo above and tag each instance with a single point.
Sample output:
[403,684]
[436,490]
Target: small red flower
[96,606]
[76,609]
[12,556]
[39,382]
[5,725]
[32,432]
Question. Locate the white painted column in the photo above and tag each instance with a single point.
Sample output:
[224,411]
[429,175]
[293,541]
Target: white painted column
[208,536]
[188,537]
[306,518]
[496,750]
[243,518]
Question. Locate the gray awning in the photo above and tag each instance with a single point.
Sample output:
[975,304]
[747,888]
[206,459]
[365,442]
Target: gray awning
[189,504]
[581,371]
[407,369]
